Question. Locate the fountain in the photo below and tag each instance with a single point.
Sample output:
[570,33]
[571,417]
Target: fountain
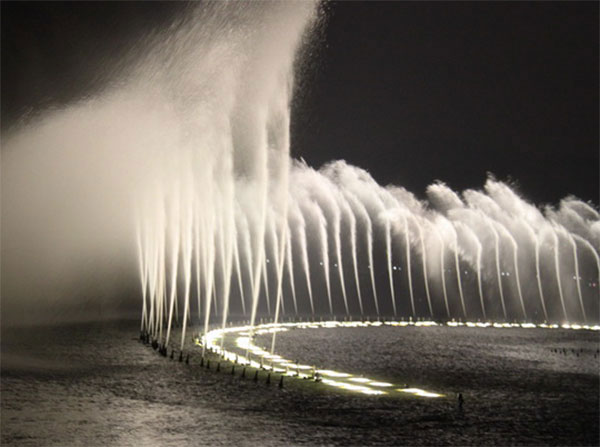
[218,198]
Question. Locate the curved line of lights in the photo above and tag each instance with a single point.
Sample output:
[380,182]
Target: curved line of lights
[277,364]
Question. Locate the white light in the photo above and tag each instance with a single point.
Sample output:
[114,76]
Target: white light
[327,372]
[346,382]
[419,392]
[381,384]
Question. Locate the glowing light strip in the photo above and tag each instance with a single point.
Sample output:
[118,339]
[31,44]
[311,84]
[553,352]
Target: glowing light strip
[289,368]
[418,392]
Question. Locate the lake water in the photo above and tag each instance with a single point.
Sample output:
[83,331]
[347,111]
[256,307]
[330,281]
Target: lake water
[96,384]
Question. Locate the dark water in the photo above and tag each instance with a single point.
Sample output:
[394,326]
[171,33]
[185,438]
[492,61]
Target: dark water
[97,385]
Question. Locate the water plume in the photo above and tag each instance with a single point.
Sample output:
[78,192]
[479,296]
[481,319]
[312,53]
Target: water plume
[204,160]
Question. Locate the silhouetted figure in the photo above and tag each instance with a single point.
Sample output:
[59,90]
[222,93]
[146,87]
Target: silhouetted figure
[268,379]
[208,364]
[172,353]
[181,356]
[281,382]
[256,376]
[201,361]
[187,359]
[461,401]
[218,366]
[233,370]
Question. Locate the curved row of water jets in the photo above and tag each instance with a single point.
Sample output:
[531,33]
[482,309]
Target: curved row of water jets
[185,241]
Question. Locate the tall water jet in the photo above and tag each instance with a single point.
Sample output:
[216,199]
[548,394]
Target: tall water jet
[518,278]
[290,269]
[238,270]
[478,255]
[305,263]
[369,236]
[187,245]
[592,251]
[162,288]
[557,269]
[536,243]
[280,261]
[497,259]
[340,267]
[577,276]
[265,278]
[352,221]
[247,250]
[388,250]
[199,256]
[408,267]
[209,244]
[275,256]
[442,269]
[152,253]
[143,271]
[458,276]
[174,227]
[479,281]
[424,259]
[322,227]
[228,231]
[258,263]
[515,248]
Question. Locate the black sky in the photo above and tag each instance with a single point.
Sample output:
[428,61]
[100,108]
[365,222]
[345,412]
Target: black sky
[411,91]
[419,91]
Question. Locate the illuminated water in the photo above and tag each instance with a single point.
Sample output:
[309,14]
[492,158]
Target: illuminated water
[74,385]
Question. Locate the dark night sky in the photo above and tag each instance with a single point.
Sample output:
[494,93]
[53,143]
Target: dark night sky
[411,91]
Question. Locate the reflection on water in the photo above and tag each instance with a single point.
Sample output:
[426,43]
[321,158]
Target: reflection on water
[96,384]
